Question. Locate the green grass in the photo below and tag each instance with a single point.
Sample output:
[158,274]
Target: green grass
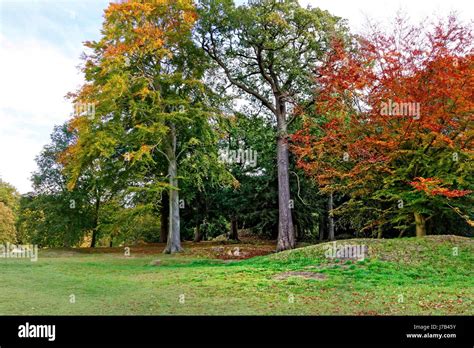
[425,274]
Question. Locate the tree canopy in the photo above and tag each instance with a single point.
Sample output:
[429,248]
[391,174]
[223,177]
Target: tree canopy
[206,119]
[397,129]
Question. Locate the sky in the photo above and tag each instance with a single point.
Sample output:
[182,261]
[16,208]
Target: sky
[41,42]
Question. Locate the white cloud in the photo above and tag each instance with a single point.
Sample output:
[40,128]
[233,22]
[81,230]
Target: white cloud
[35,76]
[384,11]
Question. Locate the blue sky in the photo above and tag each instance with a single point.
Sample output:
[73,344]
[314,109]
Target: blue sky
[40,46]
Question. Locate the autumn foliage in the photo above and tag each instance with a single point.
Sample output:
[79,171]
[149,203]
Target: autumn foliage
[392,128]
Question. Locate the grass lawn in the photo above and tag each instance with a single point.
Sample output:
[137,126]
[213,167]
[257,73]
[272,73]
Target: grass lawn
[405,276]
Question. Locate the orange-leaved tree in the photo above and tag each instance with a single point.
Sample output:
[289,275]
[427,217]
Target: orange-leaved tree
[150,106]
[393,126]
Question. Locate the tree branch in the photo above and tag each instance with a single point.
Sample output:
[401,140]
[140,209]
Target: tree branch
[213,54]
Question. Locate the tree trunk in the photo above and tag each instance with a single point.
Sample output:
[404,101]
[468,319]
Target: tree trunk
[322,225]
[420,222]
[379,232]
[94,238]
[197,233]
[234,233]
[174,241]
[286,233]
[164,212]
[331,217]
[96,222]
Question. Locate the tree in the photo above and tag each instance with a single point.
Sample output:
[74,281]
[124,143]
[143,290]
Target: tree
[397,133]
[99,204]
[135,222]
[52,215]
[9,195]
[7,224]
[151,107]
[9,200]
[246,147]
[267,50]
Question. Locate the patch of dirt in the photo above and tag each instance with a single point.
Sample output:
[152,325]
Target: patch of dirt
[223,250]
[303,274]
[240,252]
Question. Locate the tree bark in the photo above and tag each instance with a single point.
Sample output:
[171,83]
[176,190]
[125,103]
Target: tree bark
[322,225]
[94,238]
[420,222]
[164,212]
[286,232]
[379,232]
[234,233]
[331,217]
[96,222]
[197,233]
[173,244]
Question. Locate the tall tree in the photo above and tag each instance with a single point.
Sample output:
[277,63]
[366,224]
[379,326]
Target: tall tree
[398,130]
[144,78]
[267,51]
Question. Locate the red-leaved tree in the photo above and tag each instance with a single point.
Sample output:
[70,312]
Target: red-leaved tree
[393,126]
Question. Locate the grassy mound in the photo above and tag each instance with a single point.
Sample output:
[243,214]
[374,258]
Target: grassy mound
[432,261]
[442,249]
